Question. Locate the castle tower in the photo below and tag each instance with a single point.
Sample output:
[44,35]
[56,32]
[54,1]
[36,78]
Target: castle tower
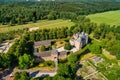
[79,40]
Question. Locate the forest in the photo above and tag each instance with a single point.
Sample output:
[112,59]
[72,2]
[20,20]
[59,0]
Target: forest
[21,52]
[62,0]
[12,13]
[18,13]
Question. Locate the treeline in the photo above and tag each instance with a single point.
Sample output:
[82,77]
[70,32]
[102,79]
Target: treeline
[11,35]
[20,54]
[110,37]
[63,0]
[21,13]
[57,33]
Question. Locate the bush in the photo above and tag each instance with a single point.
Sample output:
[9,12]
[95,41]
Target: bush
[49,48]
[47,64]
[21,76]
[72,58]
[64,70]
[25,61]
[42,48]
[67,46]
[95,48]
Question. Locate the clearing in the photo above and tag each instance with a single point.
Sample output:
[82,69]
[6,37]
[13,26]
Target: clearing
[39,24]
[110,17]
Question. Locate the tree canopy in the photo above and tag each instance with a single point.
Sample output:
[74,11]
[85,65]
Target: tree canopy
[21,76]
[67,46]
[42,48]
[25,61]
[72,58]
[95,48]
[12,13]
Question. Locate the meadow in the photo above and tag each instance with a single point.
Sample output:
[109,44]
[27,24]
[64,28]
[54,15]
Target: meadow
[41,24]
[110,17]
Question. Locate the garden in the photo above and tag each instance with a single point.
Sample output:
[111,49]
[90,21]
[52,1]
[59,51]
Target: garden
[87,71]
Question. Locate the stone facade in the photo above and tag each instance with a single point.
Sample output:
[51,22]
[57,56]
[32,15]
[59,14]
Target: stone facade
[38,44]
[47,55]
[62,55]
[79,40]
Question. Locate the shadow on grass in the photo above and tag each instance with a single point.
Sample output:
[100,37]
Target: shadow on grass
[83,53]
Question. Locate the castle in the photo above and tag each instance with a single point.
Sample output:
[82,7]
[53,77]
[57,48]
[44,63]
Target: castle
[47,55]
[79,40]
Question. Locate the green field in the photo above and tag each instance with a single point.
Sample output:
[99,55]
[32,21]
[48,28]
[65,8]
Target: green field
[41,24]
[110,17]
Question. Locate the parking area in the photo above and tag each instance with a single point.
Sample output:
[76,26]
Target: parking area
[4,47]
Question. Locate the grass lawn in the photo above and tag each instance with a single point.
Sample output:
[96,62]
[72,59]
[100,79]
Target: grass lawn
[57,43]
[41,24]
[60,44]
[46,65]
[43,68]
[110,17]
[108,55]
[119,62]
[88,72]
[87,56]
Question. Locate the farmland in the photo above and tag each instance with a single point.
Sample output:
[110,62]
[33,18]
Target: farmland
[110,17]
[41,24]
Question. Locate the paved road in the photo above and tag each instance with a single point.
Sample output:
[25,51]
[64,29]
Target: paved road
[4,75]
[42,74]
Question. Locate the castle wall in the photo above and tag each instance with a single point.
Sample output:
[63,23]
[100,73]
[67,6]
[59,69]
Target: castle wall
[52,57]
[79,43]
[72,42]
[62,56]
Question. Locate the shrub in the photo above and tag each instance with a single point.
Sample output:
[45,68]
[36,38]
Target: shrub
[67,46]
[47,64]
[42,48]
[95,48]
[72,58]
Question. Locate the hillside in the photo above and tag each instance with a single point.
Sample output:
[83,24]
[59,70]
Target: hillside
[110,17]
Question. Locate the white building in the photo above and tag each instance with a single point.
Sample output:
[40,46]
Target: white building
[79,40]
